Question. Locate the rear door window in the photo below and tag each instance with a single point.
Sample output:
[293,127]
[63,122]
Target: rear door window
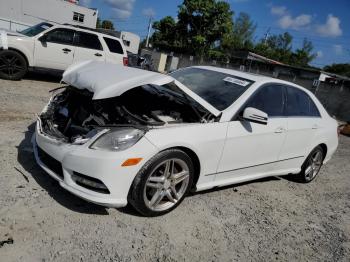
[114,46]
[87,40]
[269,99]
[300,104]
[61,36]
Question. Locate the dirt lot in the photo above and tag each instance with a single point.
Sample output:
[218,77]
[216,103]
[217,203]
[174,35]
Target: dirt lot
[271,219]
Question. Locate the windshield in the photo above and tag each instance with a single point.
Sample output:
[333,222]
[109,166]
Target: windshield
[218,89]
[36,29]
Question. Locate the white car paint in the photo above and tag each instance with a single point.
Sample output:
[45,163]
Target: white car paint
[51,55]
[228,151]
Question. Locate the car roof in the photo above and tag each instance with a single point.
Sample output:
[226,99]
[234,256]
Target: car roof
[87,30]
[259,79]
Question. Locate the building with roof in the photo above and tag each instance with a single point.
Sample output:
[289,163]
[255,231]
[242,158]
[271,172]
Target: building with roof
[20,14]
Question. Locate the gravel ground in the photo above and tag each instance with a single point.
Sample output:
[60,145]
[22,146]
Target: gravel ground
[265,220]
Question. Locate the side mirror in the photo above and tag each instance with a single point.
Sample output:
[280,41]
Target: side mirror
[254,115]
[43,38]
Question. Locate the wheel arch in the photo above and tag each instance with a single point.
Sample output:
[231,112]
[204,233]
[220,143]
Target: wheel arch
[324,148]
[21,53]
[319,144]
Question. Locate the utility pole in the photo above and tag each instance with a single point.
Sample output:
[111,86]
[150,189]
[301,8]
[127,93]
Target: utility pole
[149,31]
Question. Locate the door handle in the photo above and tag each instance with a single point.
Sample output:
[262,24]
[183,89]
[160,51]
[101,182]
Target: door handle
[315,126]
[98,54]
[66,50]
[280,129]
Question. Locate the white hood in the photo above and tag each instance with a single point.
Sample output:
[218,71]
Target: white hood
[107,80]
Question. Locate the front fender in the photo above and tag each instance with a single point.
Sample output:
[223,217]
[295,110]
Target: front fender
[205,140]
[23,45]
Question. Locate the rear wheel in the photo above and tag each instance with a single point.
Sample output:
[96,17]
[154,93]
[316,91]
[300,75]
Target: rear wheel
[162,183]
[13,66]
[312,165]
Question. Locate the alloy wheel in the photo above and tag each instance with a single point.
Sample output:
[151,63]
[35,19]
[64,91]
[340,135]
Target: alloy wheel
[166,185]
[11,65]
[314,165]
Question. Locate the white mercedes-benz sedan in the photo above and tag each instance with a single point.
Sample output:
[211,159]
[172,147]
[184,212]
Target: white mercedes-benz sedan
[116,135]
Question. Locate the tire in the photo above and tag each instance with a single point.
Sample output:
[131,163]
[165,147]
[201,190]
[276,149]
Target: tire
[13,66]
[312,165]
[154,193]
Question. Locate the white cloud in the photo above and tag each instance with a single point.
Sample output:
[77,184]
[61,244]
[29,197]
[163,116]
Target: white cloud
[319,54]
[331,28]
[148,11]
[287,21]
[122,9]
[338,49]
[85,3]
[301,21]
[278,10]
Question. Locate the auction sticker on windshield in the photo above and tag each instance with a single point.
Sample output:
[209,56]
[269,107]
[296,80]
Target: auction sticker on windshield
[236,81]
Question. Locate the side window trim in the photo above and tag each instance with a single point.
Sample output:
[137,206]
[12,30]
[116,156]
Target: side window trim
[56,29]
[120,52]
[76,43]
[235,117]
[310,99]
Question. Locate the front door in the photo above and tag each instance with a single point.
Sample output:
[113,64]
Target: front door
[251,149]
[56,50]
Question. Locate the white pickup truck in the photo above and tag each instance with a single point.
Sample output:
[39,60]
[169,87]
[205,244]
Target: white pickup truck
[55,47]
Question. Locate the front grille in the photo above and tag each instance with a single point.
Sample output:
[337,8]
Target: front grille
[50,162]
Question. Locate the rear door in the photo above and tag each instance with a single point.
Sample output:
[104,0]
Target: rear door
[303,120]
[88,47]
[116,51]
[57,51]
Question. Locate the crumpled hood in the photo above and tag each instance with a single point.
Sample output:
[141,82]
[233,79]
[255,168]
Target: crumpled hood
[107,80]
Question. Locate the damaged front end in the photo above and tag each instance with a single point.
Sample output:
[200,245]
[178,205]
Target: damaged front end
[73,116]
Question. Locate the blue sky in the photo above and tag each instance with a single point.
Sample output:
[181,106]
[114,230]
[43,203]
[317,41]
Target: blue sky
[326,23]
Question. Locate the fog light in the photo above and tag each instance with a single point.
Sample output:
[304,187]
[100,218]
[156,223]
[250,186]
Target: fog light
[89,183]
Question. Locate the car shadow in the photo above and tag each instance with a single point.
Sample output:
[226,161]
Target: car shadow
[46,76]
[25,158]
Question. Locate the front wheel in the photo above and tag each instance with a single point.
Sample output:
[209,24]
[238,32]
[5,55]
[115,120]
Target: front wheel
[162,183]
[312,165]
[13,66]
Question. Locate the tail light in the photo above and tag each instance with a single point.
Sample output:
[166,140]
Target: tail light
[125,61]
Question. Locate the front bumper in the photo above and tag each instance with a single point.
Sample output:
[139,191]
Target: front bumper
[102,165]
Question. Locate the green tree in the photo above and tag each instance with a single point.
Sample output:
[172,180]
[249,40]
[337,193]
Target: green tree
[340,69]
[166,35]
[107,24]
[242,36]
[304,55]
[277,47]
[202,23]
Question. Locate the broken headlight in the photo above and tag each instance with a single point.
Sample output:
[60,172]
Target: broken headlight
[118,139]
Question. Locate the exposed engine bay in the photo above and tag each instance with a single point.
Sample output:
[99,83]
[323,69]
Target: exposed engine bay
[72,114]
